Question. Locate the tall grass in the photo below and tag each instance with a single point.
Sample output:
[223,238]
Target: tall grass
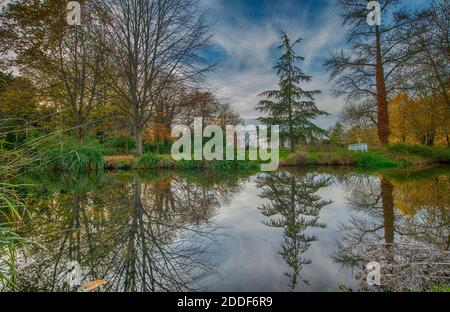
[50,153]
[153,161]
[67,155]
[10,216]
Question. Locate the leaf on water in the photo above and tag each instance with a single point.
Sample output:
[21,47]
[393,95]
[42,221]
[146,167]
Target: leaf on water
[94,284]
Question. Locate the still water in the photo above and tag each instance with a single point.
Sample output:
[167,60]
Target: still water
[291,230]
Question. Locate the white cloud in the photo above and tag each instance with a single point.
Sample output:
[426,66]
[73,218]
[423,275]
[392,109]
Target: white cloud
[249,46]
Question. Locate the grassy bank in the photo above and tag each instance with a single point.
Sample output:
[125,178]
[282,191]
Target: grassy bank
[394,156]
[64,154]
[154,161]
[390,157]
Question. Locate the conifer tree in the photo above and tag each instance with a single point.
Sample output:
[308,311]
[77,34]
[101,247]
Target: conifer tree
[291,107]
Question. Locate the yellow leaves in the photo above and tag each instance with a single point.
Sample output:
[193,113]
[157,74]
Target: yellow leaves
[420,120]
[434,194]
[94,285]
[157,132]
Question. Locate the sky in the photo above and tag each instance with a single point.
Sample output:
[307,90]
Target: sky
[246,36]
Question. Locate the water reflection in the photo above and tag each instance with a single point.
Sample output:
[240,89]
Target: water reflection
[399,219]
[166,231]
[293,205]
[138,233]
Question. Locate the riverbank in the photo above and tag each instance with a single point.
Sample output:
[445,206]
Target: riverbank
[394,156]
[154,161]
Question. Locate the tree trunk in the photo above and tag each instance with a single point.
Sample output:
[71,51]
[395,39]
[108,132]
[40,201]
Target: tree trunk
[388,213]
[78,127]
[291,131]
[79,134]
[138,137]
[431,139]
[382,104]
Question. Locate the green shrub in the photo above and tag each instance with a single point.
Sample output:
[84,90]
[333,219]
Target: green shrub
[218,165]
[372,160]
[190,164]
[149,160]
[233,165]
[163,147]
[152,160]
[118,145]
[65,155]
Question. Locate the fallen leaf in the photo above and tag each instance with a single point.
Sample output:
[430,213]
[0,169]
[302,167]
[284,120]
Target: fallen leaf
[94,284]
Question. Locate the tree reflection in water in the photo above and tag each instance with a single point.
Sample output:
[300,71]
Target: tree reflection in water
[137,233]
[293,205]
[401,220]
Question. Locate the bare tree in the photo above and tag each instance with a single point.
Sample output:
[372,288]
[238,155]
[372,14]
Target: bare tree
[151,42]
[202,104]
[358,118]
[377,52]
[226,116]
[429,71]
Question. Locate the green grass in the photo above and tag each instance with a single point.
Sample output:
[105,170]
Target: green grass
[71,157]
[190,164]
[149,160]
[236,165]
[11,209]
[152,161]
[218,165]
[439,288]
[398,155]
[155,161]
[394,156]
[373,159]
[284,154]
[341,157]
[435,154]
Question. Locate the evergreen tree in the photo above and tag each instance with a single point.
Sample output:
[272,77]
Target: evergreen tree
[291,107]
[293,205]
[336,134]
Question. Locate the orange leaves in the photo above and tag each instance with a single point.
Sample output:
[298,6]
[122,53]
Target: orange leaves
[157,132]
[94,285]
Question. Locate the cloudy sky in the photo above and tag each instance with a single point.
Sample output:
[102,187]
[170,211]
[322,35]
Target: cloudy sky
[246,37]
[246,34]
